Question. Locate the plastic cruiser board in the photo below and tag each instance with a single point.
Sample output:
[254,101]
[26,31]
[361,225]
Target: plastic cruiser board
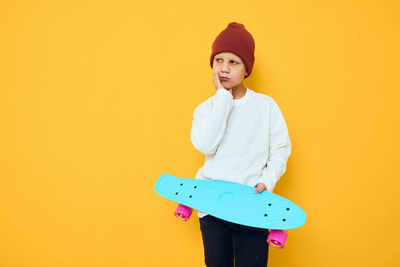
[232,202]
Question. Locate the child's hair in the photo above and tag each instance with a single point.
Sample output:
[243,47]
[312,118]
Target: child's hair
[235,39]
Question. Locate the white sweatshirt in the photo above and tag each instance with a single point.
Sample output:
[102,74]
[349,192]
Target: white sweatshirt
[245,140]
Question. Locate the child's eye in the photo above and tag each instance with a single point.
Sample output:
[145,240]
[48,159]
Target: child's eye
[217,59]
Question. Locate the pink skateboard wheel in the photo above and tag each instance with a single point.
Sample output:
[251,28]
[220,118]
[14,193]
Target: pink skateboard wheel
[277,238]
[183,212]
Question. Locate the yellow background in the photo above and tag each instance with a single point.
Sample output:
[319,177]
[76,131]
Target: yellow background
[96,102]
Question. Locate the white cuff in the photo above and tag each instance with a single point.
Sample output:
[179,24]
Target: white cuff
[223,91]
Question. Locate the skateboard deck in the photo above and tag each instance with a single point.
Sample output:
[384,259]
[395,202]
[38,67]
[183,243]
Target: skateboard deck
[232,202]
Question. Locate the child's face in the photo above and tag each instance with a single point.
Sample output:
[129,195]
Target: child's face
[228,64]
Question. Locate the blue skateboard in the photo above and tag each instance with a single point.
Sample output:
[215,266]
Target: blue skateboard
[233,202]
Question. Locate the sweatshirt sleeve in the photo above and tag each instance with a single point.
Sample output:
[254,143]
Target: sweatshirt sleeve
[279,150]
[209,122]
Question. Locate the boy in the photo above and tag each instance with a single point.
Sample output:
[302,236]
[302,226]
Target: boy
[245,139]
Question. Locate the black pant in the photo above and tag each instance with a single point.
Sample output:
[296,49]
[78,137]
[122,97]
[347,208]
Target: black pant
[225,243]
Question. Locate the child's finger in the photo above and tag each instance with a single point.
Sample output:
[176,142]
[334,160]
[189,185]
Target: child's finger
[259,188]
[216,81]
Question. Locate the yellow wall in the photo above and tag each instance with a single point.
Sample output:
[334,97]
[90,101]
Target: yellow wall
[96,102]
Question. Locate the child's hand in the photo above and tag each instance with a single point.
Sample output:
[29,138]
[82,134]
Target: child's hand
[218,83]
[260,187]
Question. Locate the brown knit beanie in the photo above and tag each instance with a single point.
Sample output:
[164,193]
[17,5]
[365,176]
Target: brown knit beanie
[235,39]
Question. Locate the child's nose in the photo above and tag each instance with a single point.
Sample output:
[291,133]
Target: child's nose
[224,68]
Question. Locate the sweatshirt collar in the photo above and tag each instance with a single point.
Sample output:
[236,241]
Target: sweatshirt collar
[243,99]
